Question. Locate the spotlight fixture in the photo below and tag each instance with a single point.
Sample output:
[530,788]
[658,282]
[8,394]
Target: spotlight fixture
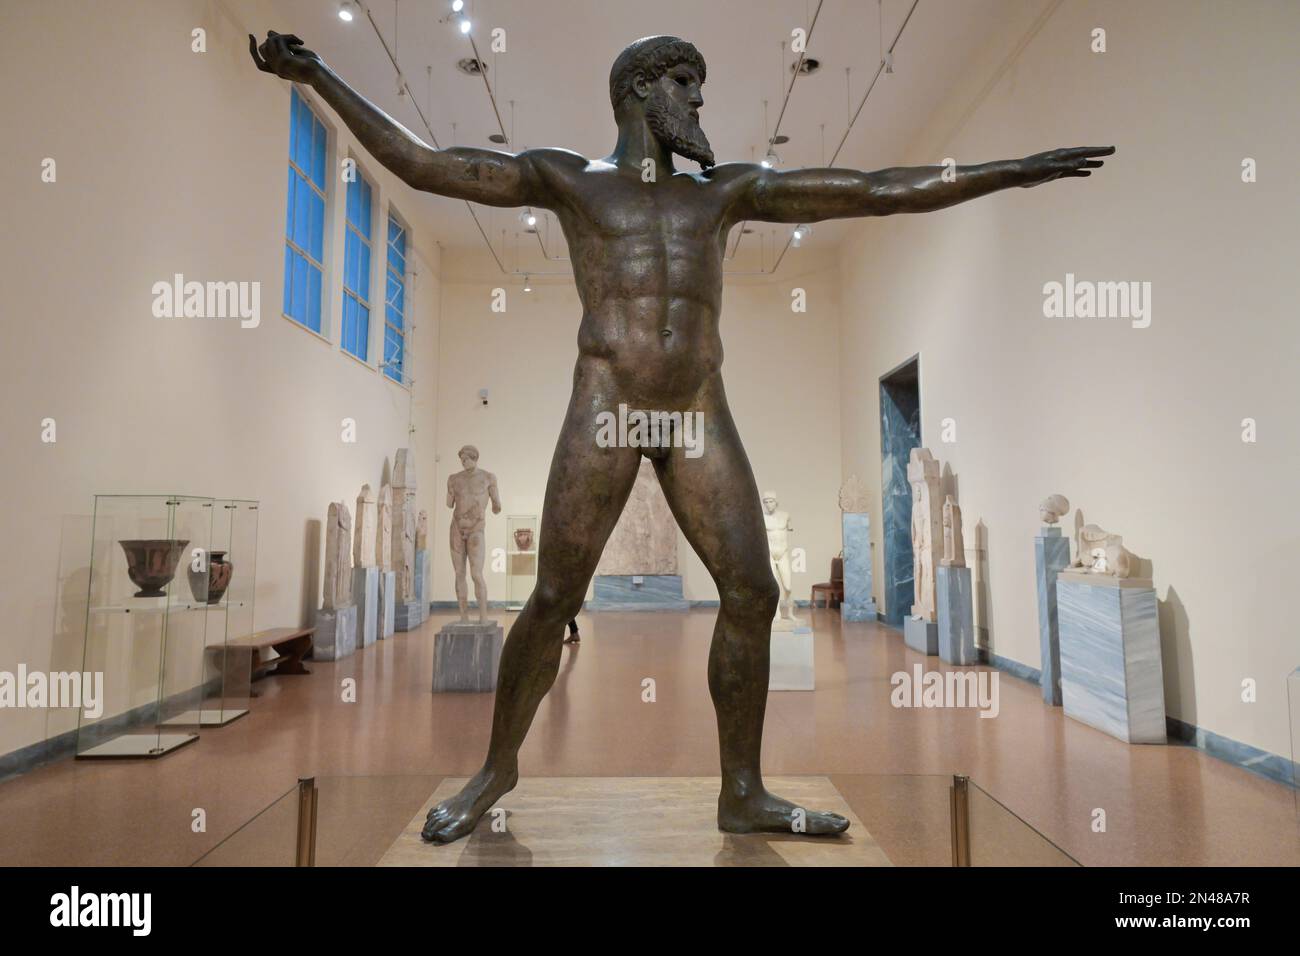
[457,6]
[780,139]
[528,219]
[771,160]
[497,138]
[801,232]
[806,67]
[465,25]
[471,66]
[528,285]
[347,11]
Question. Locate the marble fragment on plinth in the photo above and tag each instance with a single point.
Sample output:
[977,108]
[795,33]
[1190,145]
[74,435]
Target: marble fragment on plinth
[858,604]
[1111,673]
[1051,556]
[956,615]
[365,591]
[634,821]
[639,592]
[387,603]
[466,657]
[791,666]
[336,633]
[921,635]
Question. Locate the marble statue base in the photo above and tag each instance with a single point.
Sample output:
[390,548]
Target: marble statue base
[956,615]
[791,666]
[638,592]
[858,604]
[387,616]
[1111,673]
[466,657]
[418,579]
[365,591]
[336,633]
[408,615]
[921,635]
[1051,556]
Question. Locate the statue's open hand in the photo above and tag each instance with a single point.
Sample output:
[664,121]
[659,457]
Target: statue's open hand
[1064,163]
[284,55]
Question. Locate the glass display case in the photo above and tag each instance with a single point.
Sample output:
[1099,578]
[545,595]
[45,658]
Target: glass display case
[521,558]
[228,589]
[145,633]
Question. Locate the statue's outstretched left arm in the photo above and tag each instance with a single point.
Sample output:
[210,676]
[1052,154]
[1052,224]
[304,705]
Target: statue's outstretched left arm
[811,195]
[495,495]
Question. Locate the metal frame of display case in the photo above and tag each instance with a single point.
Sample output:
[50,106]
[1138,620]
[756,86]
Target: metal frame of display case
[521,566]
[148,648]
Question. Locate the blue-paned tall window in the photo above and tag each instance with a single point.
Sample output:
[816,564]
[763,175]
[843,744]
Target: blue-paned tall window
[395,303]
[304,231]
[356,270]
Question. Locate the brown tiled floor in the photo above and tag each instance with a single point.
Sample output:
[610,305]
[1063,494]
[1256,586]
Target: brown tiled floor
[1165,805]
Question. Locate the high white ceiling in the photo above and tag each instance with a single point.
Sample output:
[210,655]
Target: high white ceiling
[556,67]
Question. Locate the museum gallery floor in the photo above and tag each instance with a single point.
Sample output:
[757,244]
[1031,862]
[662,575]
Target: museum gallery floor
[1171,805]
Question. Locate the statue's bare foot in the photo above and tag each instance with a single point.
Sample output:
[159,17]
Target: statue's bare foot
[764,812]
[457,816]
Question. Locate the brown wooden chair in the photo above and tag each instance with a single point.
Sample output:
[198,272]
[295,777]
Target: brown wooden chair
[832,590]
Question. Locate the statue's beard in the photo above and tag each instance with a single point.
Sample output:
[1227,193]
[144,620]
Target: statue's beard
[679,133]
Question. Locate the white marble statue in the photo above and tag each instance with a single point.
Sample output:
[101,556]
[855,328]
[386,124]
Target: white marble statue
[1051,508]
[468,494]
[927,531]
[384,529]
[853,496]
[954,549]
[364,551]
[336,589]
[404,488]
[778,547]
[422,531]
[1100,552]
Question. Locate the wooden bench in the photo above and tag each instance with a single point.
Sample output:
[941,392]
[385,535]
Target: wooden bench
[291,643]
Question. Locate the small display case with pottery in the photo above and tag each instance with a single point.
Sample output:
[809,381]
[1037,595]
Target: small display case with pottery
[145,632]
[521,558]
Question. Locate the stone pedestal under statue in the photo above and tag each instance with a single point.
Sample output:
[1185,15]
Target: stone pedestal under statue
[387,617]
[365,592]
[638,592]
[466,657]
[791,666]
[419,580]
[1051,556]
[858,604]
[336,633]
[1111,674]
[921,635]
[408,615]
[956,615]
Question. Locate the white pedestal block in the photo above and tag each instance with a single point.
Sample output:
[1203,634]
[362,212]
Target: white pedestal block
[956,615]
[921,635]
[387,603]
[336,634]
[792,659]
[365,591]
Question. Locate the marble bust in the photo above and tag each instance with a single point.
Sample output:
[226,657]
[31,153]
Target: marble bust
[778,549]
[1100,552]
[954,549]
[1052,508]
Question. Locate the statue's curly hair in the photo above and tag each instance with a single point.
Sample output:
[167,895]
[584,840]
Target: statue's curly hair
[653,56]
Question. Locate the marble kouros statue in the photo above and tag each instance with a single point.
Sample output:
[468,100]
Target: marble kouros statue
[337,584]
[404,523]
[384,528]
[853,496]
[468,494]
[647,243]
[1100,552]
[778,549]
[954,549]
[364,548]
[1052,508]
[927,532]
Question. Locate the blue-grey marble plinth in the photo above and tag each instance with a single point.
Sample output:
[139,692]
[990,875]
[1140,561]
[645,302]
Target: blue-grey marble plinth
[418,579]
[1051,556]
[1111,674]
[408,615]
[336,633]
[858,604]
[921,635]
[466,657]
[387,603]
[791,665]
[365,592]
[640,592]
[955,610]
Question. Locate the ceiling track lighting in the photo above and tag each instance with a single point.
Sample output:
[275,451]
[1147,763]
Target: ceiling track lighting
[347,11]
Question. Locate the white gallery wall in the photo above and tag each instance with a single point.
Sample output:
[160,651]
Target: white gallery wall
[1141,428]
[780,368]
[168,161]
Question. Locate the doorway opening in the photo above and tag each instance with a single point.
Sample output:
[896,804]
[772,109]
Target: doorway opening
[900,432]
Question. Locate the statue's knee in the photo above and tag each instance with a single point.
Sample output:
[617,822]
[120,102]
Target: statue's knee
[553,602]
[756,596]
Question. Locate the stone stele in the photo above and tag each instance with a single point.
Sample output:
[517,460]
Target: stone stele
[404,486]
[954,549]
[337,581]
[853,496]
[364,552]
[645,539]
[384,529]
[927,532]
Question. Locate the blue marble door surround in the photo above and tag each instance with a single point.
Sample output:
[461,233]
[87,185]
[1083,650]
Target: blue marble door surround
[900,432]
